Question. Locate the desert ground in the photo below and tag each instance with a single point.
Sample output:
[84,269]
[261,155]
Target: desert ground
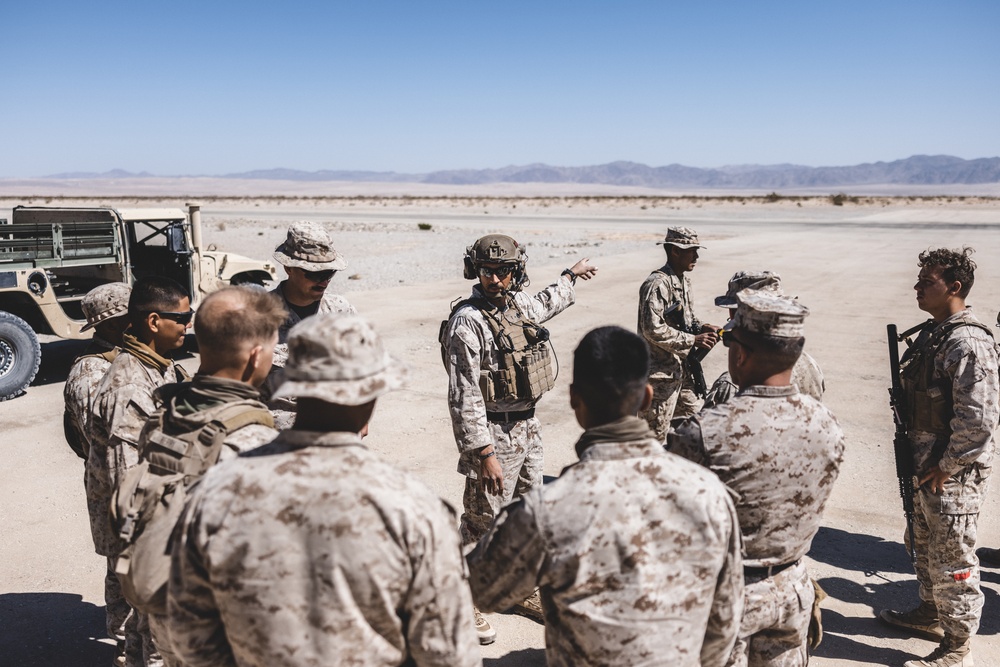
[852,264]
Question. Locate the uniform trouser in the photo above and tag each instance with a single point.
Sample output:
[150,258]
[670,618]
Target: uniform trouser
[944,536]
[775,621]
[672,399]
[160,632]
[117,612]
[518,447]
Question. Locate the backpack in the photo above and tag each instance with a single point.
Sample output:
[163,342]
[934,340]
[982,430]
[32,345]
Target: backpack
[147,504]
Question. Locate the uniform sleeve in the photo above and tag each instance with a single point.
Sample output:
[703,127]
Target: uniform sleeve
[466,404]
[440,632]
[196,629]
[727,606]
[686,441]
[655,298]
[971,363]
[506,565]
[551,301]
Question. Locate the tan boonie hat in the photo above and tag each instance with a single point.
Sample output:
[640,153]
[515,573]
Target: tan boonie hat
[339,359]
[105,302]
[308,247]
[682,237]
[761,281]
[769,314]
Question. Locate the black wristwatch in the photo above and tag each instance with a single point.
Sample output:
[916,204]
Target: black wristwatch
[569,272]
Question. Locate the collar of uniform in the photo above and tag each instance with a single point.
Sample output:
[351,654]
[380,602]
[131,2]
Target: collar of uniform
[298,438]
[611,451]
[964,314]
[770,392]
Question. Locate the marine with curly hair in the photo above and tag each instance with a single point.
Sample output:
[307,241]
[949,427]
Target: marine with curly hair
[952,389]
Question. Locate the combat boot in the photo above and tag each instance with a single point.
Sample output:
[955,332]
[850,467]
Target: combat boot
[531,607]
[988,557]
[922,621]
[485,631]
[951,653]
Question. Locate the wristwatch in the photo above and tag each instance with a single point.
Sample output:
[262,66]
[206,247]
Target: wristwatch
[569,272]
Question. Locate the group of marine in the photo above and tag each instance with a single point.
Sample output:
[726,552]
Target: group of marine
[245,522]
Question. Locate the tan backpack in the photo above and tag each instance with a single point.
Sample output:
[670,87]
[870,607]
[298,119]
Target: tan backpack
[149,501]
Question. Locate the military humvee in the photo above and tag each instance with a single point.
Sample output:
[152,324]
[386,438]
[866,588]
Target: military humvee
[51,257]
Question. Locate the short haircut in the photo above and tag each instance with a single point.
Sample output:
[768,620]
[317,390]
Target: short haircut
[236,316]
[955,265]
[776,354]
[153,293]
[610,372]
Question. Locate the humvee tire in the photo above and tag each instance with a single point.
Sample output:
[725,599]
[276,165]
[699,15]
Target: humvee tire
[20,355]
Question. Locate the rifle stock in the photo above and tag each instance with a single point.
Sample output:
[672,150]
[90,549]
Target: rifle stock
[900,442]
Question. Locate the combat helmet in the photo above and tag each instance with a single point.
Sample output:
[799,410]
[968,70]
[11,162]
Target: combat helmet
[496,249]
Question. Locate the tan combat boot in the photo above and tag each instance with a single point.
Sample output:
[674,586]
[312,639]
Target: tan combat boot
[922,621]
[531,607]
[951,653]
[485,631]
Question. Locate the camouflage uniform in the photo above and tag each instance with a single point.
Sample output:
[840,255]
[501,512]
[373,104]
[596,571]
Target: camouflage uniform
[122,404]
[312,551]
[189,407]
[78,394]
[806,375]
[636,551]
[470,349]
[780,451]
[308,246]
[944,529]
[673,393]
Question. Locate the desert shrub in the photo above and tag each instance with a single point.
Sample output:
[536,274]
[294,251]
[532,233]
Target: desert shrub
[424,226]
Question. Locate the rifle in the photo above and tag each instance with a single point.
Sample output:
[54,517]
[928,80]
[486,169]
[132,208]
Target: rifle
[900,441]
[692,362]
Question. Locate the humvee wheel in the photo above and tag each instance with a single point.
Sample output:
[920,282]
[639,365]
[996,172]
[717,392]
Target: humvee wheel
[20,355]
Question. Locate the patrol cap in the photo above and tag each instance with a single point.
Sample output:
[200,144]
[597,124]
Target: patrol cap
[338,359]
[308,246]
[762,281]
[681,237]
[105,302]
[769,314]
[496,248]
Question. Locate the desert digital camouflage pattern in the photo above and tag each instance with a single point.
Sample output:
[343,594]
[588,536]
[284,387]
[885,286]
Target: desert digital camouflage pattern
[122,404]
[105,302]
[471,349]
[312,551]
[237,441]
[78,394]
[636,553]
[806,375]
[947,568]
[330,303]
[668,346]
[780,451]
[308,246]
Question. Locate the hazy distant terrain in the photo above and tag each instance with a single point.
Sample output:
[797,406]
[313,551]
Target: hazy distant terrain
[916,170]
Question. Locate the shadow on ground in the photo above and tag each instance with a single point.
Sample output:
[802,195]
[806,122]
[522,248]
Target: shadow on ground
[57,358]
[525,657]
[868,554]
[52,630]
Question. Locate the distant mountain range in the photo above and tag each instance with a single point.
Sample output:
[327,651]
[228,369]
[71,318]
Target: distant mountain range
[916,170]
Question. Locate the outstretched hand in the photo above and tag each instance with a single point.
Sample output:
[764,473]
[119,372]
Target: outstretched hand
[584,269]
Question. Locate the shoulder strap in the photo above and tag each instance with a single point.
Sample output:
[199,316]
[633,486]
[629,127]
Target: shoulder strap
[213,434]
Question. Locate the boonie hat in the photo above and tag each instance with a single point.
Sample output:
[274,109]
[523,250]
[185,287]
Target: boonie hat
[769,314]
[761,281]
[682,237]
[308,246]
[338,359]
[105,302]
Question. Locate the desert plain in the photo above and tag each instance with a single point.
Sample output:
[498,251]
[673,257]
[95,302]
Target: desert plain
[852,264]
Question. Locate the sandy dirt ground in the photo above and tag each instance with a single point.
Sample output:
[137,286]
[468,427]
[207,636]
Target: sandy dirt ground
[853,265]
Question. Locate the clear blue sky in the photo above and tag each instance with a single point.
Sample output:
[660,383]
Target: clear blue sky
[212,87]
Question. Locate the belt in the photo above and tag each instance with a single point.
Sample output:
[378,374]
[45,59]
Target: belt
[755,574]
[509,417]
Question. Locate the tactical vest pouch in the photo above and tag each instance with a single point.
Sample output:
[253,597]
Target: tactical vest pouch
[147,504]
[536,371]
[487,386]
[931,411]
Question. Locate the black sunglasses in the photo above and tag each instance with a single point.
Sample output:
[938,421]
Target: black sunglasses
[500,272]
[319,276]
[179,318]
[728,339]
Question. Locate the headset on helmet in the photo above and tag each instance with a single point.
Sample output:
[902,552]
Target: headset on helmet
[496,249]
